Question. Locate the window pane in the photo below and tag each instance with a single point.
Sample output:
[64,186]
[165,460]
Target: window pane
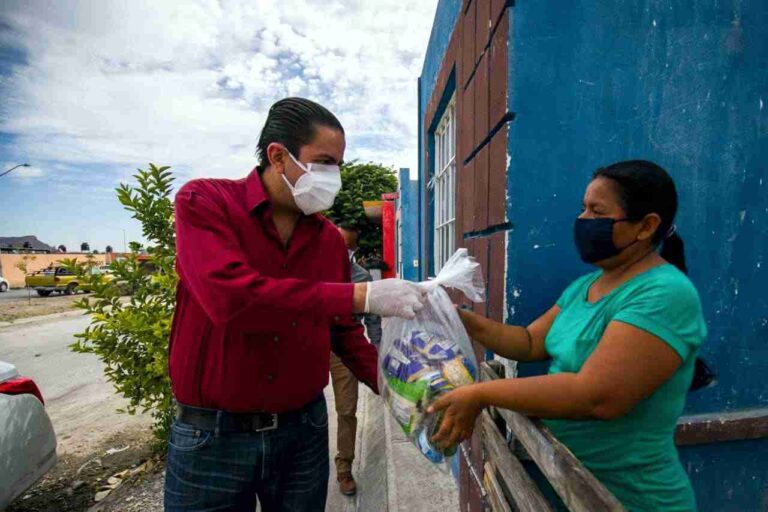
[439,203]
[445,198]
[444,181]
[445,150]
[452,193]
[453,178]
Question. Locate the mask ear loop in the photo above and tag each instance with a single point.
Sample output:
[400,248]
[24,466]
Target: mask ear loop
[299,164]
[296,161]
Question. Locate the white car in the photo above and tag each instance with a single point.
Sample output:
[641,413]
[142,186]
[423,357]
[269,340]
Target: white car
[3,285]
[27,440]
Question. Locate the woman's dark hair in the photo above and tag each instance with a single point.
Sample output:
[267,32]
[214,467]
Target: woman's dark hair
[293,123]
[645,188]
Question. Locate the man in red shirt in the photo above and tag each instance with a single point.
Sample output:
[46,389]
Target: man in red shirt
[264,296]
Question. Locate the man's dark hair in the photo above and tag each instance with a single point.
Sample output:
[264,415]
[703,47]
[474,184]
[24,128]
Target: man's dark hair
[293,123]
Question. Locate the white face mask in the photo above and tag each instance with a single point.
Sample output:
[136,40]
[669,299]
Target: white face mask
[316,189]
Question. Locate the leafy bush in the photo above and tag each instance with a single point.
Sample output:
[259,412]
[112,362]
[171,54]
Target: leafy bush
[131,336]
[362,182]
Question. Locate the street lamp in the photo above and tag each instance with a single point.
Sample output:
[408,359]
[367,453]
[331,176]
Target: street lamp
[12,168]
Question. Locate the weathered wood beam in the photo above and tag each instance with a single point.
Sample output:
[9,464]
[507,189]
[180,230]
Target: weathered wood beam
[721,427]
[524,492]
[577,487]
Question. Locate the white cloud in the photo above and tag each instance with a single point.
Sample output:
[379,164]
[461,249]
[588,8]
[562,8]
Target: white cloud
[188,84]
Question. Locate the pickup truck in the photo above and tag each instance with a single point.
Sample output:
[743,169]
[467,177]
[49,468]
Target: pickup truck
[59,280]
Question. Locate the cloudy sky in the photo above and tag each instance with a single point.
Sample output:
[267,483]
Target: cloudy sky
[91,90]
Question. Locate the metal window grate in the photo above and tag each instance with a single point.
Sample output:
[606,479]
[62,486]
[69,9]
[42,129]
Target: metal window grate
[445,186]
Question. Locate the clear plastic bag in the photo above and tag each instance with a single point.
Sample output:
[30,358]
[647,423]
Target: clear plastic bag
[423,358]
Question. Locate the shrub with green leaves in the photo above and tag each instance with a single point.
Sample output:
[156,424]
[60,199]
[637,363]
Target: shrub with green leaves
[131,336]
[362,182]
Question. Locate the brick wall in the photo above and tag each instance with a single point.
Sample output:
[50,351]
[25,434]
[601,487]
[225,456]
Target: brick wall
[475,63]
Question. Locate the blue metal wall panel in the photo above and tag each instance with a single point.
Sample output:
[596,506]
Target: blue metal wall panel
[685,84]
[409,224]
[682,84]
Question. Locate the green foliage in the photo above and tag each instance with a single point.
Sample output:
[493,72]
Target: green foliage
[362,182]
[131,336]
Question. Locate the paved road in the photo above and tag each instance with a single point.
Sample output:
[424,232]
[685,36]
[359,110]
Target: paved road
[81,403]
[15,294]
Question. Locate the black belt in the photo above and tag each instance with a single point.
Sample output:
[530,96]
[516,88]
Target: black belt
[212,419]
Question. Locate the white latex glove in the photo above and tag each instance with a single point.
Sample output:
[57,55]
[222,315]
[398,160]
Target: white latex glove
[394,297]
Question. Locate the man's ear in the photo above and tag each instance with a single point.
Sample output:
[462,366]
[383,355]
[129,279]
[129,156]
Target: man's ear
[276,156]
[651,223]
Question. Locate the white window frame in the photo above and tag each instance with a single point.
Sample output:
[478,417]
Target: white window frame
[444,186]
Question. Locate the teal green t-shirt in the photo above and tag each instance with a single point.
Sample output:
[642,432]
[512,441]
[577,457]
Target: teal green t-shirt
[634,456]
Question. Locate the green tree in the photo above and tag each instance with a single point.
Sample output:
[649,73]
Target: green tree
[131,337]
[362,182]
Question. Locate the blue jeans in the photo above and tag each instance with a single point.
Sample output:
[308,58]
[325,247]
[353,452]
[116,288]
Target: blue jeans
[287,468]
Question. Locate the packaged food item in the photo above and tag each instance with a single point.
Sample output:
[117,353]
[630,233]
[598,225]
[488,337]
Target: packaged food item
[423,358]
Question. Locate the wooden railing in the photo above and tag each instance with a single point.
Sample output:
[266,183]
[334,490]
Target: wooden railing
[507,484]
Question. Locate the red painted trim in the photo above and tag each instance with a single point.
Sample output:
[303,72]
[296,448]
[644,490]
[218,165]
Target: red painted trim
[388,238]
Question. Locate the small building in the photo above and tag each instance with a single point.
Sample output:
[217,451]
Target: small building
[519,102]
[24,244]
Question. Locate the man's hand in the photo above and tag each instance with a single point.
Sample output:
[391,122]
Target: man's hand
[462,407]
[391,297]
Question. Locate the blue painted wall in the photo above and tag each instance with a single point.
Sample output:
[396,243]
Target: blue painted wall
[409,224]
[683,83]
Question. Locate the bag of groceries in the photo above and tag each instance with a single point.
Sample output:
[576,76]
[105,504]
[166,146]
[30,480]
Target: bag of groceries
[423,358]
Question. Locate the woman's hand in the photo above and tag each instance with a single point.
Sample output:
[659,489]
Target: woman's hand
[461,407]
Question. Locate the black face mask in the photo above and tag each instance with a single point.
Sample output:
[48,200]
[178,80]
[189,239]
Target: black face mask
[594,239]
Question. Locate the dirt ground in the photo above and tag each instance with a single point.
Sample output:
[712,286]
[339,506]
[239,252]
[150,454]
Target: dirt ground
[122,461]
[15,309]
[144,493]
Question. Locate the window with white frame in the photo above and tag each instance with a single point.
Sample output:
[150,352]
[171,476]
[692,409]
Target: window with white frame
[444,183]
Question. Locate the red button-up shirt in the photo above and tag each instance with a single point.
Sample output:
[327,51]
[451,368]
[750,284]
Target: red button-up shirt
[255,322]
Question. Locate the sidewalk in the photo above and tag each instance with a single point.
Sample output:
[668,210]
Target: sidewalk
[391,474]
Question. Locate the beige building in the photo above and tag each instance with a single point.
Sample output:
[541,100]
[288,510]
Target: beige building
[9,264]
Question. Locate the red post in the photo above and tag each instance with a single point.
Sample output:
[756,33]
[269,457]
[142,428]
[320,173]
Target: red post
[388,234]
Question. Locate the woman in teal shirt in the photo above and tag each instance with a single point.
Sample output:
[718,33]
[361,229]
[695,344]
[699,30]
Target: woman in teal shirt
[622,343]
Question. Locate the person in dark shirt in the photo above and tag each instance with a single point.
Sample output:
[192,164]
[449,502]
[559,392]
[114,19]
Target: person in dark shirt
[264,296]
[345,383]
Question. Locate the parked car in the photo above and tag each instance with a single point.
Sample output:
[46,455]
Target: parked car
[3,284]
[27,439]
[59,280]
